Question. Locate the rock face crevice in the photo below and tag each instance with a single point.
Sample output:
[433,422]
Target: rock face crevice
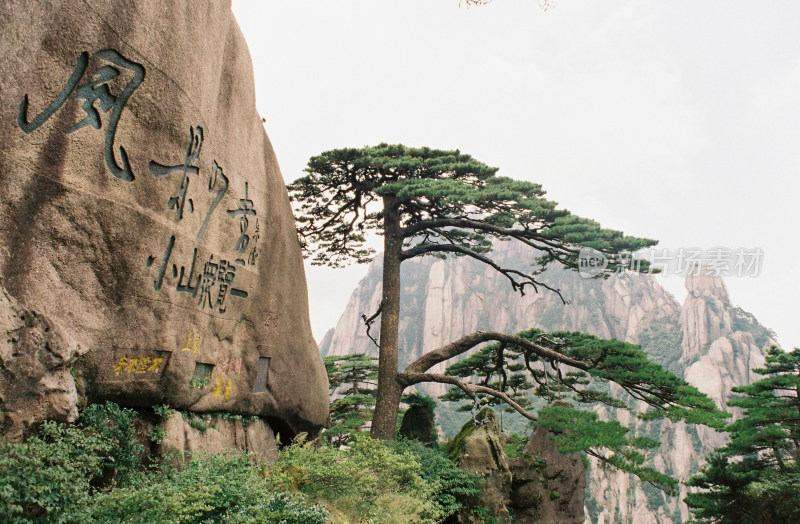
[707,340]
[36,359]
[142,209]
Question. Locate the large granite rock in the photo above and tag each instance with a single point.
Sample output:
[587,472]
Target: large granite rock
[419,423]
[705,314]
[542,486]
[142,208]
[547,486]
[189,433]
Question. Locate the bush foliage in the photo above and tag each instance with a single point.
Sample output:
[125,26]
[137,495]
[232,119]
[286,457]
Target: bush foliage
[377,481]
[92,471]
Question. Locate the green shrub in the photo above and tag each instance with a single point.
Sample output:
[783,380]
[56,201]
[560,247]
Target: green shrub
[54,477]
[368,482]
[117,426]
[454,488]
[377,481]
[281,508]
[211,488]
[164,412]
[157,435]
[199,383]
[48,478]
[63,476]
[416,399]
[197,422]
[515,445]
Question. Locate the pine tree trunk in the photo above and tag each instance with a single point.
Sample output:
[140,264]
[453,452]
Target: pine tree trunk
[389,390]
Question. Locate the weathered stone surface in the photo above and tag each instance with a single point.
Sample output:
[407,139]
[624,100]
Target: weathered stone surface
[719,356]
[704,315]
[142,208]
[481,452]
[418,424]
[36,357]
[214,434]
[543,486]
[547,486]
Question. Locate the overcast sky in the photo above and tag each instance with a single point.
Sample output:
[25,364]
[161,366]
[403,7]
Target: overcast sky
[677,120]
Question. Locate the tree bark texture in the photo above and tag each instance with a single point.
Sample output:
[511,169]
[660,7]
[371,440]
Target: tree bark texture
[389,389]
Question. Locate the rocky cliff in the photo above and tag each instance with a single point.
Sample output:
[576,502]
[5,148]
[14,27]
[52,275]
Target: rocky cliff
[713,344]
[142,210]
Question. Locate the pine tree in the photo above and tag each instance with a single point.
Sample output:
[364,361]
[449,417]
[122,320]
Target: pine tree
[352,381]
[756,476]
[428,202]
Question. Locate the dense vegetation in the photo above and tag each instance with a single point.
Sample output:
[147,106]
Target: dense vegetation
[96,471]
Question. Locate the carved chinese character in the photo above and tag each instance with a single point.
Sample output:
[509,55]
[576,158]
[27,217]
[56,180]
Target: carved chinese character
[167,252]
[96,90]
[225,276]
[214,177]
[246,208]
[251,259]
[186,287]
[178,202]
[207,283]
[119,366]
[222,387]
[155,367]
[143,364]
[132,363]
[192,342]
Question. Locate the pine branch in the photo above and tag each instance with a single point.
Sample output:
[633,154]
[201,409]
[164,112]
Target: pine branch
[409,379]
[368,322]
[465,343]
[517,284]
[525,235]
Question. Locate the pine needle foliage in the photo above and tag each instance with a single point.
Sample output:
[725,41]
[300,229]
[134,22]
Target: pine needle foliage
[756,476]
[433,202]
[352,380]
[524,374]
[447,202]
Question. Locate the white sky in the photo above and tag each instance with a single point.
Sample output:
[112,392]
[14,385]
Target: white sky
[677,120]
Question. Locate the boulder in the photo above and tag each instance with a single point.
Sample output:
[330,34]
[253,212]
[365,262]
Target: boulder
[548,486]
[36,359]
[143,211]
[478,448]
[418,424]
[542,486]
[190,433]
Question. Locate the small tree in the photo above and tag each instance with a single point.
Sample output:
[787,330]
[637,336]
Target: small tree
[352,380]
[433,202]
[756,476]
